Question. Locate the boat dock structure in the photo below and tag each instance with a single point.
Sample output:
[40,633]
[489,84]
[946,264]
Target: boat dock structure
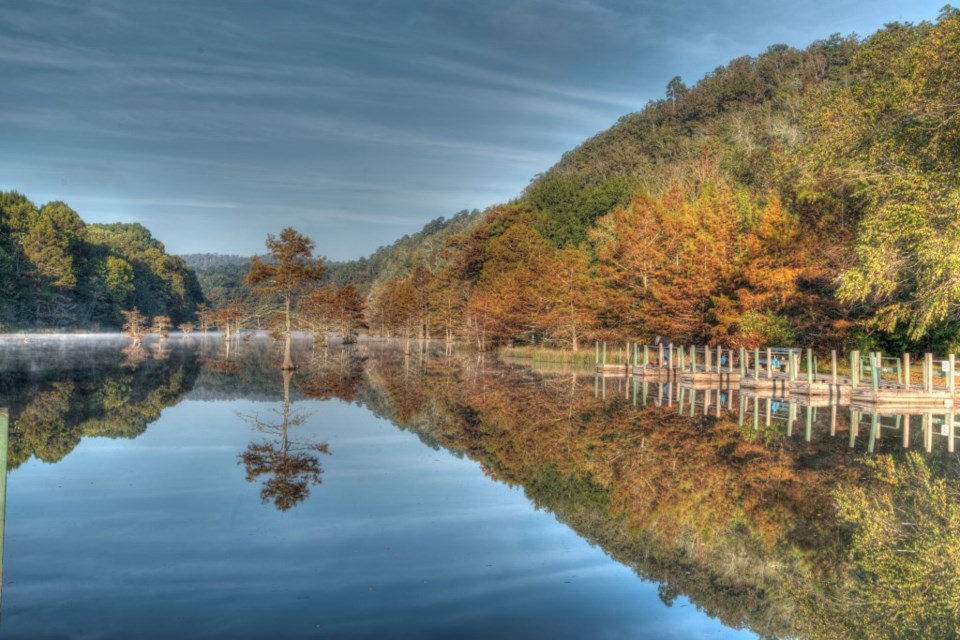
[895,383]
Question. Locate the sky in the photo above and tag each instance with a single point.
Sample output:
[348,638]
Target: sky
[354,121]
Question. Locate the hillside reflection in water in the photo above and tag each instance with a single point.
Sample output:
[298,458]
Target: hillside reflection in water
[187,500]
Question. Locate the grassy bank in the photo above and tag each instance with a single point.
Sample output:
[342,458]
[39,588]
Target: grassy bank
[543,354]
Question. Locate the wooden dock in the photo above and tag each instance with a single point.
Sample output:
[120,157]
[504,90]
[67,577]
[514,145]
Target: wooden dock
[821,387]
[902,400]
[653,372]
[712,378]
[874,381]
[779,385]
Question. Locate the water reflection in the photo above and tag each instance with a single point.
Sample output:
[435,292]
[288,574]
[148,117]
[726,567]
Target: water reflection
[290,467]
[788,518]
[4,433]
[779,415]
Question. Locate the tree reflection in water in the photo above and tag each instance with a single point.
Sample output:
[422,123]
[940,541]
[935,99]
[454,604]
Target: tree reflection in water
[796,536]
[290,466]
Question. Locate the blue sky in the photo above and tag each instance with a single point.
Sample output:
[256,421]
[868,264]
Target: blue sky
[355,121]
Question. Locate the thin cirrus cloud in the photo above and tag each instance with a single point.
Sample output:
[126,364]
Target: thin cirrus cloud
[240,117]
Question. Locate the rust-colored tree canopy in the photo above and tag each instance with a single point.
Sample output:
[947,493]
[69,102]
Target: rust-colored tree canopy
[291,265]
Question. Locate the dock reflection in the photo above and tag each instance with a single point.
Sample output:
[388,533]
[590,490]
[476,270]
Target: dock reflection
[779,413]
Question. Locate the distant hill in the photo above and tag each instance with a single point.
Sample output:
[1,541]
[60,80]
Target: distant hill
[221,275]
[403,255]
[213,261]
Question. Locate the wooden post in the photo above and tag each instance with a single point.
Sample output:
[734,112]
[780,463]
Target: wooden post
[950,434]
[854,368]
[906,431]
[768,417]
[646,356]
[604,352]
[854,426]
[929,358]
[906,370]
[810,367]
[769,363]
[952,381]
[808,434]
[833,419]
[596,357]
[719,358]
[693,358]
[756,364]
[756,413]
[928,431]
[660,355]
[743,360]
[743,407]
[730,355]
[874,428]
[874,372]
[833,366]
[706,359]
[791,416]
[680,352]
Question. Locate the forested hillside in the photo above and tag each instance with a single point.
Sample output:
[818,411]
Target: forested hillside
[402,256]
[800,196]
[56,271]
[805,197]
[221,277]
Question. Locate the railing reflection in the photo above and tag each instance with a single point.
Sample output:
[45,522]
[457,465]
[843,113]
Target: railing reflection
[784,414]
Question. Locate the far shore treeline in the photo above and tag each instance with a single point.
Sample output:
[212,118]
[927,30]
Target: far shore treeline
[58,272]
[805,197]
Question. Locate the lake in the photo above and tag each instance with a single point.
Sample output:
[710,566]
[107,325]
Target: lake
[190,489]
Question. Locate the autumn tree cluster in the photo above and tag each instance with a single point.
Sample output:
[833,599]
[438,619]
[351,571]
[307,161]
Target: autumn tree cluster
[797,197]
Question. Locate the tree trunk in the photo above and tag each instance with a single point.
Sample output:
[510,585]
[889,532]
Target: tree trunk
[287,360]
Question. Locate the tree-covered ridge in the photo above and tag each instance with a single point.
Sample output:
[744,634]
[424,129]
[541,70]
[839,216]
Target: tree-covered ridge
[403,255]
[800,196]
[221,277]
[57,271]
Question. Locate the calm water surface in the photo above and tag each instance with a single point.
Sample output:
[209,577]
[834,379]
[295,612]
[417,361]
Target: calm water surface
[191,490]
